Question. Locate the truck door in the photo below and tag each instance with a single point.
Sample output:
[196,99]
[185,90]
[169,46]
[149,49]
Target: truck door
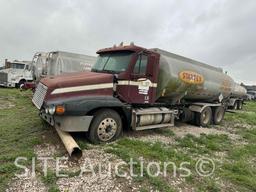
[142,87]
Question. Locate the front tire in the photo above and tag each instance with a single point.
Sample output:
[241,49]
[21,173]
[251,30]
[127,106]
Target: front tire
[106,126]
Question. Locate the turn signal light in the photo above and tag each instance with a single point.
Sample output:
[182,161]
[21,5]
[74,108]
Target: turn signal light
[59,109]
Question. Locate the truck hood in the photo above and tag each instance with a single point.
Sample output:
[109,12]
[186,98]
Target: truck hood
[9,70]
[76,79]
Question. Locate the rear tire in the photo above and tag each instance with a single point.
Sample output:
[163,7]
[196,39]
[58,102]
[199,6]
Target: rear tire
[106,126]
[186,116]
[204,118]
[218,115]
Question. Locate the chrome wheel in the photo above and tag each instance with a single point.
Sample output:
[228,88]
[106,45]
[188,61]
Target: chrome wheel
[107,129]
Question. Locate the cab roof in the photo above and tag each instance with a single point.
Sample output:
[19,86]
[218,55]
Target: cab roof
[132,48]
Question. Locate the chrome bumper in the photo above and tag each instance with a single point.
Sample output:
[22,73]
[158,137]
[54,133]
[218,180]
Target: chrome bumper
[68,123]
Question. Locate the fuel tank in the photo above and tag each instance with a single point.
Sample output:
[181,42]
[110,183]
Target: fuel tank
[187,79]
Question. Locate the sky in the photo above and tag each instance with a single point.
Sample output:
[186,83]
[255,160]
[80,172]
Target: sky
[221,33]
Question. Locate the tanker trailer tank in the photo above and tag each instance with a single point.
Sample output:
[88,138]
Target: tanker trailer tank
[237,97]
[186,79]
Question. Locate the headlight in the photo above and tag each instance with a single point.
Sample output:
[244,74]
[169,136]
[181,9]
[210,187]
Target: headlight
[46,110]
[51,109]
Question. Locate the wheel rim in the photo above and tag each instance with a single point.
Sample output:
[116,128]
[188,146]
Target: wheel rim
[107,129]
[205,117]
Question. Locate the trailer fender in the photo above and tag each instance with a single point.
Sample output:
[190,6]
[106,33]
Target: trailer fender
[199,107]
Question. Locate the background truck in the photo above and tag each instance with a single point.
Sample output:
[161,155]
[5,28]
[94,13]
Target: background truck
[15,73]
[237,97]
[134,87]
[56,63]
[252,94]
[38,65]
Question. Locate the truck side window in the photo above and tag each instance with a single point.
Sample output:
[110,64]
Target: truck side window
[141,65]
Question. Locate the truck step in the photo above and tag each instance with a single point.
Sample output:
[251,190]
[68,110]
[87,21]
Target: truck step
[154,126]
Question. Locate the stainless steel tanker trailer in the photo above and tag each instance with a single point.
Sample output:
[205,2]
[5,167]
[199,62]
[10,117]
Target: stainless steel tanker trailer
[58,62]
[237,97]
[134,87]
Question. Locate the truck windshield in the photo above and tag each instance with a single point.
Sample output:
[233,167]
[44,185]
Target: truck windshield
[114,62]
[17,66]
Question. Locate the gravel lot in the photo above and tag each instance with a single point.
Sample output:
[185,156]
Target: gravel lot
[96,156]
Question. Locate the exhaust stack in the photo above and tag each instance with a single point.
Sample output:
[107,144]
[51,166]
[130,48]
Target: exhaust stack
[72,147]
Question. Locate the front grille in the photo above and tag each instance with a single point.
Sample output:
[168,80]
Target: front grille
[3,78]
[39,95]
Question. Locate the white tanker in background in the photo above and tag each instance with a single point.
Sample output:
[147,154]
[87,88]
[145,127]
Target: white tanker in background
[58,62]
[237,97]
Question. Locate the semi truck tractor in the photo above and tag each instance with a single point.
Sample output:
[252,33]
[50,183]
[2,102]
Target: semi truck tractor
[15,73]
[134,87]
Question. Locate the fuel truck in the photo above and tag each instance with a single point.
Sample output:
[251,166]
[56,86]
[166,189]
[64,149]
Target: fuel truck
[134,87]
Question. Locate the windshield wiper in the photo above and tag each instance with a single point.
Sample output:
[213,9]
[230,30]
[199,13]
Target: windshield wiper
[110,71]
[95,70]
